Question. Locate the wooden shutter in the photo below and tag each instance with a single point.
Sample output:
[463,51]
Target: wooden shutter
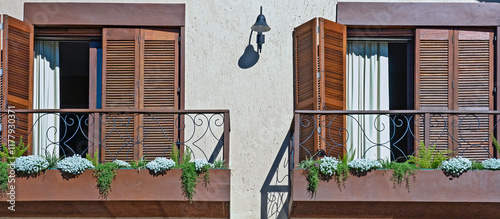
[17,80]
[120,77]
[140,72]
[159,73]
[454,71]
[474,80]
[306,83]
[434,64]
[332,59]
[319,81]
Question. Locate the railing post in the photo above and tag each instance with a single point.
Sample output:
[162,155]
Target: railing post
[227,130]
[296,141]
[427,129]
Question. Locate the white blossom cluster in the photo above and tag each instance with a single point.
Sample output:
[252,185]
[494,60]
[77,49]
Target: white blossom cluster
[456,165]
[491,164]
[121,163]
[160,164]
[200,163]
[31,164]
[328,165]
[364,165]
[74,165]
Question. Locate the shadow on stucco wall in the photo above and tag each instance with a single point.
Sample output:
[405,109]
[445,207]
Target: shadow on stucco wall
[275,192]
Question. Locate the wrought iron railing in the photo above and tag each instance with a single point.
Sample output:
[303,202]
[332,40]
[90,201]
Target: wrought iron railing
[120,134]
[393,134]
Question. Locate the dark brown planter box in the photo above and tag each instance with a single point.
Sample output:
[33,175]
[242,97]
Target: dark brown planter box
[432,194]
[134,194]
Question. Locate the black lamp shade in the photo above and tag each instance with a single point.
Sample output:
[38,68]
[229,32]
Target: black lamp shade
[261,24]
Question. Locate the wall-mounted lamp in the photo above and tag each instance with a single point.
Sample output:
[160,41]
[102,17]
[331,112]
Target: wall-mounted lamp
[260,26]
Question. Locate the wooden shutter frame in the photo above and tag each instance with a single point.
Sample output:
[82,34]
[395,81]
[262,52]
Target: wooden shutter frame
[8,23]
[163,35]
[453,86]
[326,101]
[318,77]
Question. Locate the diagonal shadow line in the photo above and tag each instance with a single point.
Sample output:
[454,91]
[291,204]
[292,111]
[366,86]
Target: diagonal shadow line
[268,188]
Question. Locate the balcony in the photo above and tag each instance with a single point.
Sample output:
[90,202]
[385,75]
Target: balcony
[126,135]
[395,135]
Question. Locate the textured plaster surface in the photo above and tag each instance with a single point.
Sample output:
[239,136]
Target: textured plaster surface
[260,99]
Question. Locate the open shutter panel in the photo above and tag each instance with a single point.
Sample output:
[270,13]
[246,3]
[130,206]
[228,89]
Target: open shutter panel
[159,73]
[332,59]
[306,83]
[120,75]
[474,73]
[434,65]
[17,80]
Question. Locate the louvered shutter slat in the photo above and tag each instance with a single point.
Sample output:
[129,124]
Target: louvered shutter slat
[159,91]
[332,50]
[16,83]
[120,61]
[474,78]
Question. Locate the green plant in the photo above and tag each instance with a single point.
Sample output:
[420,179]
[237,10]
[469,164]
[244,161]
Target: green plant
[189,176]
[477,165]
[105,173]
[53,159]
[4,178]
[401,172]
[429,157]
[342,173]
[219,164]
[348,156]
[175,155]
[95,159]
[495,142]
[139,164]
[311,166]
[12,151]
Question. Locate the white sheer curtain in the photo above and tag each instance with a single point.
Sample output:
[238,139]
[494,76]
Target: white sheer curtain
[46,96]
[368,89]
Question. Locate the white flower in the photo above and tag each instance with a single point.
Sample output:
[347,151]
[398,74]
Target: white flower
[200,163]
[328,165]
[491,164]
[364,165]
[121,163]
[456,165]
[31,164]
[160,164]
[74,165]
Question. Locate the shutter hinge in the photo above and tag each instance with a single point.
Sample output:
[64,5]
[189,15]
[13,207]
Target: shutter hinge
[1,26]
[319,130]
[317,29]
[1,72]
[318,75]
[495,39]
[494,90]
[178,90]
[139,38]
[139,83]
[179,38]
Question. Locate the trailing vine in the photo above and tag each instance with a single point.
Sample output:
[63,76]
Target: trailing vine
[311,167]
[4,178]
[105,173]
[402,172]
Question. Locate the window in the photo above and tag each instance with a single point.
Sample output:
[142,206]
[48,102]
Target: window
[141,71]
[453,71]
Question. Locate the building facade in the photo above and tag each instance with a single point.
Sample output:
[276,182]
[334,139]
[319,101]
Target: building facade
[209,41]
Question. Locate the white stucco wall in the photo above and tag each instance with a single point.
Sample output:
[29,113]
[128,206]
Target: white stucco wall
[259,99]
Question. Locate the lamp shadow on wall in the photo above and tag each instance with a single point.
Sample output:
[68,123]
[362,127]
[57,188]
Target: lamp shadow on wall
[250,57]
